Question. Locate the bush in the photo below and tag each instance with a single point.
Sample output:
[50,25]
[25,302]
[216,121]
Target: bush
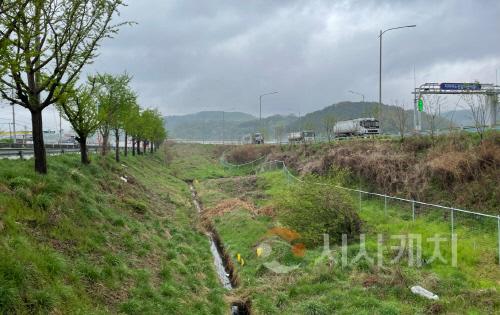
[20,182]
[314,308]
[136,205]
[316,207]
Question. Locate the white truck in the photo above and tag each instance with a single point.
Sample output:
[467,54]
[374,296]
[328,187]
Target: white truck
[301,136]
[357,127]
[255,138]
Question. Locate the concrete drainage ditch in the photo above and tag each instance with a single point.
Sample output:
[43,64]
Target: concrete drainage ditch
[222,261]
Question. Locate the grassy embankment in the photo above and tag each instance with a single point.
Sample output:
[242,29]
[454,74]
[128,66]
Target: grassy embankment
[198,162]
[82,241]
[456,169]
[241,210]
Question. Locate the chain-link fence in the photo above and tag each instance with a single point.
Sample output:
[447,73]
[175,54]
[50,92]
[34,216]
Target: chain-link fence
[474,230]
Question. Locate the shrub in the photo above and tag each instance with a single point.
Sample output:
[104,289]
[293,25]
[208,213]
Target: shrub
[316,207]
[417,144]
[314,308]
[20,182]
[42,201]
[136,205]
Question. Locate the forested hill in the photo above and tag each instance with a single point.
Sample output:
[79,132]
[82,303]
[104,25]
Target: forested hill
[209,125]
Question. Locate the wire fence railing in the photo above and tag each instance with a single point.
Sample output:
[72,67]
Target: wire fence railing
[455,215]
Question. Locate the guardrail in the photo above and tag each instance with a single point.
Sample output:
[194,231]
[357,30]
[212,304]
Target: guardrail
[201,141]
[452,210]
[22,153]
[19,145]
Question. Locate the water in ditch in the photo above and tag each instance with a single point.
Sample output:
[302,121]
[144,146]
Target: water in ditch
[222,272]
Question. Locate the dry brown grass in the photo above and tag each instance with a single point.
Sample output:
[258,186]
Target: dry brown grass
[229,205]
[247,153]
[451,169]
[452,166]
[379,163]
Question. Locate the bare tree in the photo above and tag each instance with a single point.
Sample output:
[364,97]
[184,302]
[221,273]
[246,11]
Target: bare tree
[478,106]
[46,50]
[279,130]
[432,109]
[401,119]
[329,122]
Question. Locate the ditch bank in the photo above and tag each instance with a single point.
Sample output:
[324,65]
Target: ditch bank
[222,261]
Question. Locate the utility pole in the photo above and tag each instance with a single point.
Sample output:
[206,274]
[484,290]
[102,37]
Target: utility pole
[24,136]
[13,118]
[380,80]
[60,129]
[14,123]
[415,110]
[224,123]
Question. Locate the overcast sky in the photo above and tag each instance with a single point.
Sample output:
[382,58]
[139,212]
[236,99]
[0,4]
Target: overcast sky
[187,56]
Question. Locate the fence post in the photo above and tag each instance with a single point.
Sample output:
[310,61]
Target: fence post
[385,204]
[413,209]
[21,154]
[360,200]
[452,221]
[498,221]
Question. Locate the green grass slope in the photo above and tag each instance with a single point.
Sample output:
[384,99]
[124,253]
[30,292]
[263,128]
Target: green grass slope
[323,286]
[80,240]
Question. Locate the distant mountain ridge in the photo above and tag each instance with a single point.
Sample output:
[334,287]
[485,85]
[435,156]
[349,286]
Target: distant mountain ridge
[460,117]
[209,125]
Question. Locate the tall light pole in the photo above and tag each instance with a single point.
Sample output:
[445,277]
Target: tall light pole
[14,124]
[260,104]
[13,117]
[380,66]
[357,93]
[224,123]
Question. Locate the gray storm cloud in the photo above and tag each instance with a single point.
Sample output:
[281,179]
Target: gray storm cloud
[188,56]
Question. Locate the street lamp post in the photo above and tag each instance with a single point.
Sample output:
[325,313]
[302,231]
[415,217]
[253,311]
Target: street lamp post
[260,104]
[380,66]
[357,93]
[14,123]
[224,124]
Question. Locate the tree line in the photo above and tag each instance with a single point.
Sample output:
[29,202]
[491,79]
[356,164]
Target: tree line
[44,45]
[106,104]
